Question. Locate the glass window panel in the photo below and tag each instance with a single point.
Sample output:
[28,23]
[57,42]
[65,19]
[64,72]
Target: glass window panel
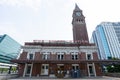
[30,56]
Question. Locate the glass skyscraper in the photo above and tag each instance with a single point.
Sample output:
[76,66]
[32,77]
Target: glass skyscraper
[107,38]
[9,49]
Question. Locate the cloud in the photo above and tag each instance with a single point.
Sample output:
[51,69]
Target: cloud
[34,4]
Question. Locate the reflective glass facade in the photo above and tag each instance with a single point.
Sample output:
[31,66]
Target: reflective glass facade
[9,49]
[107,38]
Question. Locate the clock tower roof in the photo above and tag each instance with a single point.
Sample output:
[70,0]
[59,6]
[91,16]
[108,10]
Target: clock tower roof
[77,12]
[77,8]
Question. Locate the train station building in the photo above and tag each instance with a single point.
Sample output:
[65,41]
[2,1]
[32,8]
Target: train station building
[60,58]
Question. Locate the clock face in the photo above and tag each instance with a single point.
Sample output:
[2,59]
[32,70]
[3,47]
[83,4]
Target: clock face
[78,13]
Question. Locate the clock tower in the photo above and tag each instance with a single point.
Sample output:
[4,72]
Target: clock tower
[79,26]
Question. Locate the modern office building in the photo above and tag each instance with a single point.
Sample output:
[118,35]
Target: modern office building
[60,58]
[9,49]
[107,38]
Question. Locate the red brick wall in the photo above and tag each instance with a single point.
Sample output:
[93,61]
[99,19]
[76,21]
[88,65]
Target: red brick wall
[37,56]
[50,67]
[83,68]
[67,66]
[53,56]
[40,56]
[21,69]
[68,56]
[36,69]
[54,67]
[98,70]
[23,55]
[37,66]
[95,56]
[82,56]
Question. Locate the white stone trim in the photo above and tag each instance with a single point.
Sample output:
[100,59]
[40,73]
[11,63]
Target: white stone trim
[88,69]
[75,64]
[24,70]
[31,69]
[94,69]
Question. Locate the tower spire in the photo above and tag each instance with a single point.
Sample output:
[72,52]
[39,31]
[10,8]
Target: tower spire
[76,7]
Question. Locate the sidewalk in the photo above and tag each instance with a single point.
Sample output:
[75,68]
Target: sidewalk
[83,78]
[7,77]
[2,76]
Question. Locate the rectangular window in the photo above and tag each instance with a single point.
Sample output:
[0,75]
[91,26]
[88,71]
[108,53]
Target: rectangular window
[46,67]
[42,67]
[91,69]
[30,56]
[75,67]
[45,56]
[74,57]
[89,57]
[28,69]
[60,56]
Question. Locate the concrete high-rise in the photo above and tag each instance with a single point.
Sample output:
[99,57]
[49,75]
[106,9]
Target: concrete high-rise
[107,38]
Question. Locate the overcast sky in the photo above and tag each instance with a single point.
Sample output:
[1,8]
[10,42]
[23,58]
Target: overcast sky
[28,20]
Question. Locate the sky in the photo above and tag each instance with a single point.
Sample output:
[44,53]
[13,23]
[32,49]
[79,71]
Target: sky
[28,20]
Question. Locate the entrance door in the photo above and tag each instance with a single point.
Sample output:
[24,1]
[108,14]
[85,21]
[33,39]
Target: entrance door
[28,70]
[75,72]
[91,70]
[60,71]
[44,69]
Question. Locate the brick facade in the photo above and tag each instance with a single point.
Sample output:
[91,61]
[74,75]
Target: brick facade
[21,69]
[53,67]
[23,55]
